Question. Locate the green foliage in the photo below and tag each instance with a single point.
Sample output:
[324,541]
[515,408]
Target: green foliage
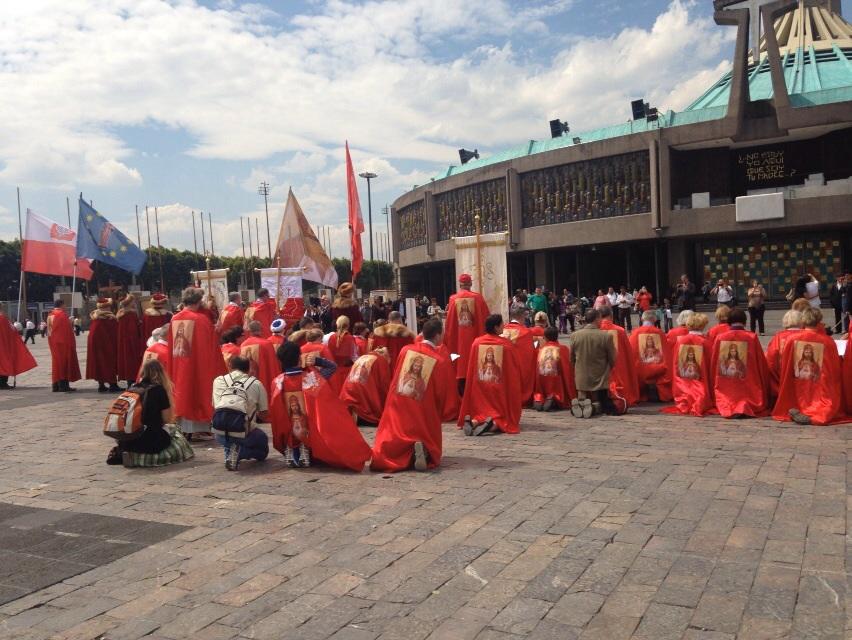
[176,268]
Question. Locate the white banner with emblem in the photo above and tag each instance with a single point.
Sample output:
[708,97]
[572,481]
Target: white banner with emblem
[216,281]
[289,285]
[495,284]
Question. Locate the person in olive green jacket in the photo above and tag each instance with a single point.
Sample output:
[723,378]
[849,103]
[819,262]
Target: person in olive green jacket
[593,356]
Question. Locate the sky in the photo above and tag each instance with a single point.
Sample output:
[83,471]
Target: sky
[188,105]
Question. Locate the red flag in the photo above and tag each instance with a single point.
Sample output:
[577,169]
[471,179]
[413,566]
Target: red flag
[51,249]
[356,222]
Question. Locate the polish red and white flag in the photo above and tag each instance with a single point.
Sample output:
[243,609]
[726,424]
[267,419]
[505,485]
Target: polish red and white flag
[51,249]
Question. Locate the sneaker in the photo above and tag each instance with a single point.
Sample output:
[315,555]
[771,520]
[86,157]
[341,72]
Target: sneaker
[289,460]
[232,457]
[587,409]
[576,408]
[468,426]
[486,426]
[419,457]
[114,387]
[799,417]
[114,456]
[304,456]
[548,404]
[538,406]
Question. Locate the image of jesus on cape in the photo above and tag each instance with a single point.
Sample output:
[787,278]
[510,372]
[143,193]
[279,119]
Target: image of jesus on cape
[690,366]
[412,383]
[489,368]
[807,367]
[732,366]
[465,315]
[651,354]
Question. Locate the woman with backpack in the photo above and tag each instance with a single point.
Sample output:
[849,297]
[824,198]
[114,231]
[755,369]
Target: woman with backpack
[151,445]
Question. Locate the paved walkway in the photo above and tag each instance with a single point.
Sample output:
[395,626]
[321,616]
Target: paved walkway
[644,526]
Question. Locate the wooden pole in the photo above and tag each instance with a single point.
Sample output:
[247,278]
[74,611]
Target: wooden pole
[278,285]
[194,237]
[209,285]
[148,226]
[210,220]
[203,236]
[243,238]
[159,249]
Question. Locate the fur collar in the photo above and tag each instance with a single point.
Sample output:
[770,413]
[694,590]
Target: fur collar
[393,331]
[151,311]
[344,303]
[100,314]
[124,311]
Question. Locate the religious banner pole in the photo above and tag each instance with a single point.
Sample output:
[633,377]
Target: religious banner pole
[21,294]
[243,239]
[278,283]
[209,284]
[478,254]
[210,220]
[148,227]
[74,274]
[194,237]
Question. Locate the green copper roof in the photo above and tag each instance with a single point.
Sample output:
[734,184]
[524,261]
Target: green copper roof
[813,78]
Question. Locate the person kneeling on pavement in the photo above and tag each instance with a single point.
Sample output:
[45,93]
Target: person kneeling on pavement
[239,403]
[593,356]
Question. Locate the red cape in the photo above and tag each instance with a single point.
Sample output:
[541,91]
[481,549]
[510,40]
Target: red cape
[15,358]
[554,376]
[102,353]
[392,337]
[63,347]
[131,345]
[652,363]
[229,350]
[442,350]
[415,409]
[276,340]
[194,362]
[622,380]
[713,333]
[366,386]
[332,436]
[157,351]
[493,391]
[343,353]
[151,321]
[813,387]
[691,377]
[361,343]
[524,341]
[319,348]
[538,335]
[292,311]
[232,316]
[264,313]
[741,381]
[671,339]
[460,334]
[773,358]
[264,364]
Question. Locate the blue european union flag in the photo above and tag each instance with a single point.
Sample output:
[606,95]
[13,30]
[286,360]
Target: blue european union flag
[99,240]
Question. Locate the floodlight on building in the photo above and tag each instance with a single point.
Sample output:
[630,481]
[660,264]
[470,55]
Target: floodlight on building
[651,114]
[638,108]
[558,128]
[466,156]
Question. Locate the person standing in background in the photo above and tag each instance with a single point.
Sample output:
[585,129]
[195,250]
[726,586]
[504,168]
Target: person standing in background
[839,291]
[685,294]
[756,307]
[724,293]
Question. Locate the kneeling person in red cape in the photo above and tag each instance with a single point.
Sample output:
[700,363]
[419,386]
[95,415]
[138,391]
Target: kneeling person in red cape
[810,390]
[422,395]
[739,371]
[366,387]
[492,394]
[15,358]
[652,360]
[690,371]
[523,340]
[554,375]
[308,420]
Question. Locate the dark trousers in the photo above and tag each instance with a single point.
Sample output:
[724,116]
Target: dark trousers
[755,316]
[624,318]
[30,335]
[838,314]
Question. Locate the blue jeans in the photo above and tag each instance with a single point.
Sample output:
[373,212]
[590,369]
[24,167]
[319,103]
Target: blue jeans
[254,446]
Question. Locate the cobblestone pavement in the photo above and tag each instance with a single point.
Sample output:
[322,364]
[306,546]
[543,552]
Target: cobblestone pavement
[642,526]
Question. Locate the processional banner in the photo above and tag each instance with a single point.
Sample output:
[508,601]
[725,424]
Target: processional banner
[289,285]
[214,280]
[492,256]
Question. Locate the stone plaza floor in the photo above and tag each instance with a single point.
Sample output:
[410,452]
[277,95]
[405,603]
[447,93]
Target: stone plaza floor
[644,526]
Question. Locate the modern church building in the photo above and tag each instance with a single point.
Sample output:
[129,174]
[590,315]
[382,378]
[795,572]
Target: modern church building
[752,181]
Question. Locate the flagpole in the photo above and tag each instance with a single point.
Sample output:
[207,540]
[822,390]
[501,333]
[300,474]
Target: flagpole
[74,273]
[203,236]
[210,220]
[194,237]
[148,225]
[21,240]
[243,238]
[138,236]
[257,238]
[278,286]
[209,287]
[159,248]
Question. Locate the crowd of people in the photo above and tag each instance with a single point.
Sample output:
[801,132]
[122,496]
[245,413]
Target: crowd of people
[221,373]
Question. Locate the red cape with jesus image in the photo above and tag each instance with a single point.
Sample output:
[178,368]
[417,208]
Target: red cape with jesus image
[741,380]
[653,361]
[554,376]
[366,386]
[622,381]
[303,408]
[466,313]
[422,395]
[493,384]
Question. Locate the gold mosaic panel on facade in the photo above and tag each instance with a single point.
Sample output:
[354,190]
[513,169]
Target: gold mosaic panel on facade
[601,188]
[412,225]
[457,209]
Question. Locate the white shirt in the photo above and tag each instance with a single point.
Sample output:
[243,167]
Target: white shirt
[812,289]
[613,298]
[624,300]
[724,294]
[255,394]
[30,325]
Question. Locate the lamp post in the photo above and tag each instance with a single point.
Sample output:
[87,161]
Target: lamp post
[368,175]
[263,190]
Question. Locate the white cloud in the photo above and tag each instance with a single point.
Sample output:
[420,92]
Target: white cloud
[379,73]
